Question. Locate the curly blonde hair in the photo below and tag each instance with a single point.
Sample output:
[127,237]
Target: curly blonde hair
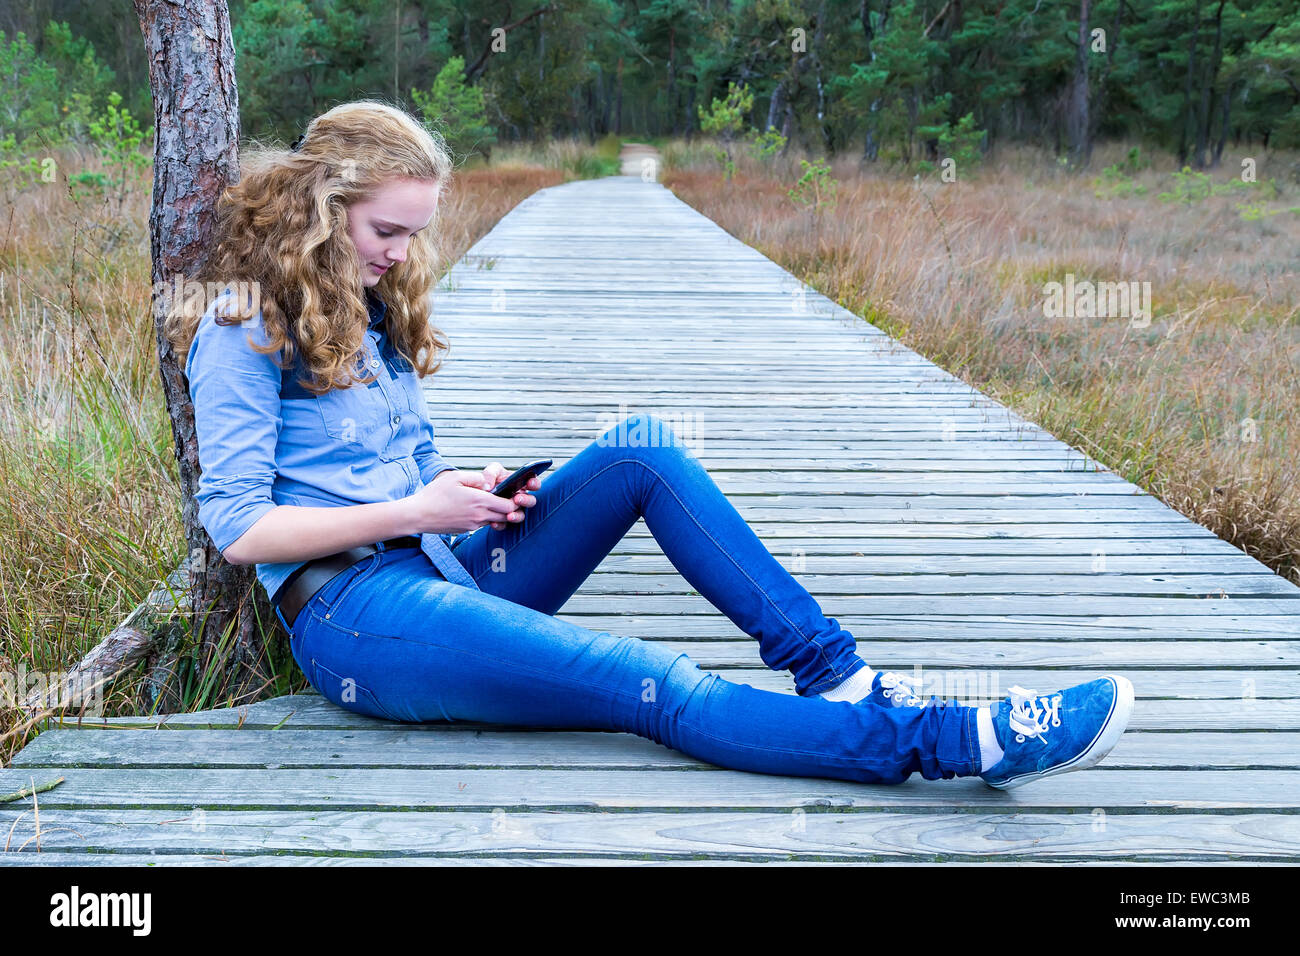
[283,231]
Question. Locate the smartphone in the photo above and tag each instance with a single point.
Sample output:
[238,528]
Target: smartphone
[516,482]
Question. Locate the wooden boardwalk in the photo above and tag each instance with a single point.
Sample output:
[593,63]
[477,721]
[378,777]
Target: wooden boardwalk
[941,529]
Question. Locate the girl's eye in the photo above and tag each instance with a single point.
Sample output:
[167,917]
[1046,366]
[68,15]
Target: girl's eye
[382,233]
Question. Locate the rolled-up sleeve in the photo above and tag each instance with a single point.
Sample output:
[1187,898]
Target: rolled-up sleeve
[236,396]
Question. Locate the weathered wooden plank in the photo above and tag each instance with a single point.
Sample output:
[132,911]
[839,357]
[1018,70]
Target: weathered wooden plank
[337,787]
[1229,697]
[916,401]
[1152,714]
[838,564]
[835,605]
[830,511]
[967,457]
[641,543]
[933,631]
[115,859]
[1158,716]
[776,524]
[973,510]
[760,428]
[865,836]
[726,456]
[1009,490]
[460,379]
[865,586]
[458,745]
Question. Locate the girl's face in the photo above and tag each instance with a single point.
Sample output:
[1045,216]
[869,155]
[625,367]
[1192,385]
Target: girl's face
[381,227]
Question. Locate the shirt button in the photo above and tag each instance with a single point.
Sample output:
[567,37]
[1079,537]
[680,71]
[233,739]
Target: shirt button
[374,363]
[397,419]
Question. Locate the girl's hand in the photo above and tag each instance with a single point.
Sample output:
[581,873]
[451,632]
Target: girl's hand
[492,476]
[455,502]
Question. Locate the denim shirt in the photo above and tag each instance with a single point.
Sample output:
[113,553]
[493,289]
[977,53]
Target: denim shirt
[265,441]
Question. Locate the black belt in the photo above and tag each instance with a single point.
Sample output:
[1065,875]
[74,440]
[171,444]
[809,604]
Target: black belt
[309,578]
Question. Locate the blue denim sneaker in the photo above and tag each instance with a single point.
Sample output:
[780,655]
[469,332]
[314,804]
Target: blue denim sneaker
[1071,729]
[889,689]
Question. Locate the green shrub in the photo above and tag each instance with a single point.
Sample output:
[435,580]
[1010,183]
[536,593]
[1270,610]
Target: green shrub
[1192,186]
[1115,183]
[457,111]
[117,137]
[765,145]
[724,119]
[816,188]
[962,142]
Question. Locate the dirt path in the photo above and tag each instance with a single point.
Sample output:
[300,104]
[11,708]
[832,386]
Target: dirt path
[632,157]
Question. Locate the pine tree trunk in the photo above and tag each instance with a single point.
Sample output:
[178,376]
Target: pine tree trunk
[1077,110]
[1223,124]
[1099,105]
[776,106]
[1186,136]
[618,101]
[672,76]
[1208,83]
[191,60]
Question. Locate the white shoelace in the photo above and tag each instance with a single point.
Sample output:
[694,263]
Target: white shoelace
[1031,714]
[899,688]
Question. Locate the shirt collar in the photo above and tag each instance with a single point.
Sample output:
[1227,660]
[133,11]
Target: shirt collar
[377,306]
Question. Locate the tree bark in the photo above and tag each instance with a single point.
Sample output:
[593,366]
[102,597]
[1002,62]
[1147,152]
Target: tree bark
[870,147]
[672,76]
[1208,83]
[776,107]
[1223,123]
[191,60]
[618,101]
[1184,138]
[819,37]
[1098,107]
[602,102]
[1077,112]
[799,64]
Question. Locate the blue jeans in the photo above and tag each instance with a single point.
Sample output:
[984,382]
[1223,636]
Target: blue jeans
[389,637]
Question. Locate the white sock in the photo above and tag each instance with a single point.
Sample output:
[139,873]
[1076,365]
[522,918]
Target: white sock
[853,689]
[990,752]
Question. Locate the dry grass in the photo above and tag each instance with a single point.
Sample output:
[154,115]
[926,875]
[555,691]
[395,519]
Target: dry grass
[956,271]
[90,513]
